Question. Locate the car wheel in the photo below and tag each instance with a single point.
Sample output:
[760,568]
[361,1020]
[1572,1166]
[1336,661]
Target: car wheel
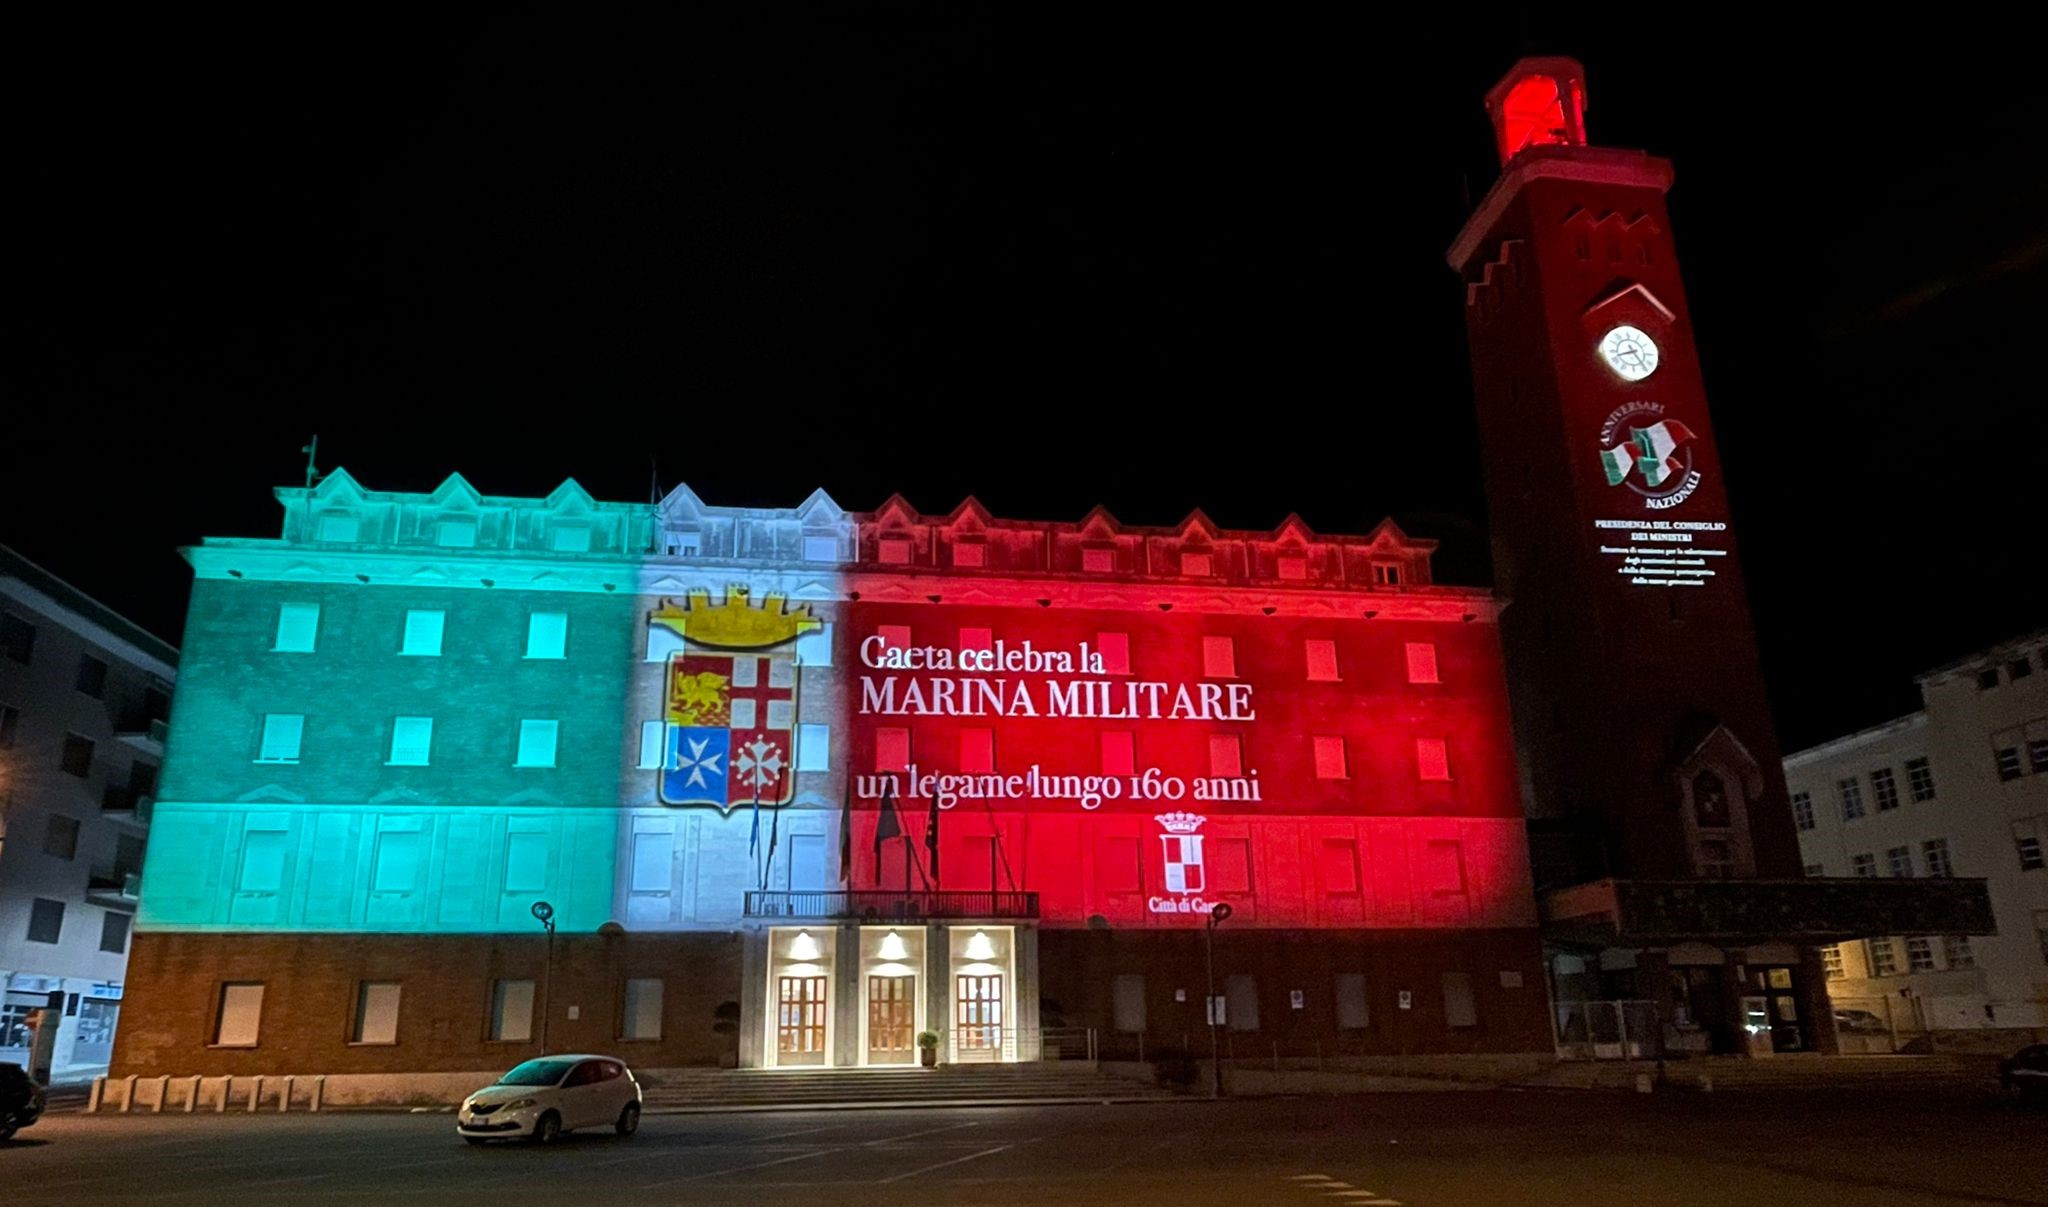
[549,1127]
[629,1119]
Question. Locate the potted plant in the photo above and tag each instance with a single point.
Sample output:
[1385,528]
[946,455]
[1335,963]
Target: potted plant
[928,1049]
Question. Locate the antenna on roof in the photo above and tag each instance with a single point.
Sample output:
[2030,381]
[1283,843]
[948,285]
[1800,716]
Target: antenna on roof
[653,481]
[313,474]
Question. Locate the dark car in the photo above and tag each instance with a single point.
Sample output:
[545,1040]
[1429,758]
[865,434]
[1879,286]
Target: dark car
[2025,1072]
[21,1100]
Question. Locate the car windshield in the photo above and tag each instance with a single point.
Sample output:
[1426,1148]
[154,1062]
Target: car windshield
[538,1072]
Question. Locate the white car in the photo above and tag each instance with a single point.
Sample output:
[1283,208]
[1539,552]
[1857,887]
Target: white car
[543,1098]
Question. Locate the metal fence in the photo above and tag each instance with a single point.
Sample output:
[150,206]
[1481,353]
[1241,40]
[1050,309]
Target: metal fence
[997,1043]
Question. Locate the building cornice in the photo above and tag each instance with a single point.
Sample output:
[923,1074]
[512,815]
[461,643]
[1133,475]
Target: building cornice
[1587,165]
[1440,604]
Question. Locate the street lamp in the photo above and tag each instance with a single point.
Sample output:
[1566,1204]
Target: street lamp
[545,915]
[1219,913]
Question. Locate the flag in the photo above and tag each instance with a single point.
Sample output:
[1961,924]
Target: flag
[931,839]
[1658,442]
[774,835]
[846,834]
[886,824]
[754,843]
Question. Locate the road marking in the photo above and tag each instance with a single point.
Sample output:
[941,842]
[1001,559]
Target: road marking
[713,1173]
[986,1152]
[802,1131]
[1311,1177]
[930,1131]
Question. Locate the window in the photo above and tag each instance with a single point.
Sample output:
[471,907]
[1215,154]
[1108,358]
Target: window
[77,757]
[423,633]
[1116,652]
[1432,759]
[395,865]
[1919,954]
[2018,668]
[412,740]
[640,1013]
[1241,1003]
[1987,679]
[1229,865]
[813,747]
[335,526]
[814,646]
[1386,574]
[1219,658]
[970,555]
[17,637]
[10,725]
[1330,763]
[241,1015]
[1850,794]
[654,858]
[1226,755]
[45,920]
[1354,1010]
[377,1012]
[1884,958]
[2037,755]
[114,932]
[1884,789]
[1422,662]
[1919,780]
[1802,810]
[1934,854]
[526,862]
[1098,561]
[60,840]
[1195,565]
[537,743]
[263,856]
[1443,867]
[547,635]
[1831,961]
[455,534]
[1459,1008]
[1293,567]
[893,551]
[281,734]
[298,628]
[2026,837]
[1898,861]
[1340,865]
[1956,953]
[2008,762]
[894,636]
[977,639]
[571,538]
[1864,864]
[977,751]
[892,749]
[92,676]
[1127,1002]
[653,738]
[512,1010]
[1322,660]
[821,548]
[1814,870]
[690,544]
[1119,755]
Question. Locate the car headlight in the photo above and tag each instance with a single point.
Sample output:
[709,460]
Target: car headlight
[520,1103]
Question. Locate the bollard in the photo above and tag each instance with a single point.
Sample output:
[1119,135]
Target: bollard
[92,1100]
[256,1093]
[1642,1083]
[128,1094]
[163,1091]
[192,1099]
[284,1100]
[227,1087]
[319,1091]
[1706,1083]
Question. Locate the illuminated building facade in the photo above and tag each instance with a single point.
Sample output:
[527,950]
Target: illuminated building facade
[718,741]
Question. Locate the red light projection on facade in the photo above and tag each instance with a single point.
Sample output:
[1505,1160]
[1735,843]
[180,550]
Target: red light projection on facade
[1542,104]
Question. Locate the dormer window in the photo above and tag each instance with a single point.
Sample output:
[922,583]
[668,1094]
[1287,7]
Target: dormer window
[821,548]
[572,538]
[684,544]
[338,526]
[455,534]
[1293,567]
[970,555]
[1098,560]
[894,551]
[1386,574]
[1195,565]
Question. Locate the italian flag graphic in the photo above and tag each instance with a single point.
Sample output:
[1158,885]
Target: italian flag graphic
[1648,449]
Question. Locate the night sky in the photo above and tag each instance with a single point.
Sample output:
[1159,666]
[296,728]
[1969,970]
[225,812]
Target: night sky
[1051,260]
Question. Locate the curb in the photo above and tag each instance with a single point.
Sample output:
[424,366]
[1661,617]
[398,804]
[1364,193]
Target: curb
[766,1107]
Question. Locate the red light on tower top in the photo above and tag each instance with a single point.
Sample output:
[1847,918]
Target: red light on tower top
[1540,102]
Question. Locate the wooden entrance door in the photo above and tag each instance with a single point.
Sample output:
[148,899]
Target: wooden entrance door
[892,1019]
[800,1020]
[978,1017]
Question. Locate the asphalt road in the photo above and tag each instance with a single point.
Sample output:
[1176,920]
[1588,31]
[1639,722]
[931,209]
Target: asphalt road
[1529,1149]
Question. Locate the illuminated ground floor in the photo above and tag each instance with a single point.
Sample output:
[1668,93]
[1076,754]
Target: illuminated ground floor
[846,986]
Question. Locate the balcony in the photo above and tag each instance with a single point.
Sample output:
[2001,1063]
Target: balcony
[114,888]
[143,733]
[883,906]
[126,804]
[1626,912]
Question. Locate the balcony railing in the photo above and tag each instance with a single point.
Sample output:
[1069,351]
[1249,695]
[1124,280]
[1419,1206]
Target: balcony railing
[113,888]
[144,733]
[884,906]
[119,801]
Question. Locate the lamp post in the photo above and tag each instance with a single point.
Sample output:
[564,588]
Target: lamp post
[545,914]
[1218,915]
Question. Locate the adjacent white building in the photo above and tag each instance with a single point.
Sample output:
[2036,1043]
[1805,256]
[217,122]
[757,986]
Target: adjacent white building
[84,696]
[1959,788]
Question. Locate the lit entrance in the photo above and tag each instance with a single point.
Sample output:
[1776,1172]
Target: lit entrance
[892,1019]
[800,1020]
[1773,990]
[978,1017]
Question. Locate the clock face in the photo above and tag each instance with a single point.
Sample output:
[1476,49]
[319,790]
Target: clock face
[1629,352]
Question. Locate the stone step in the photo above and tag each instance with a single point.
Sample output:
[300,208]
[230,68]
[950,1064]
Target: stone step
[750,1087]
